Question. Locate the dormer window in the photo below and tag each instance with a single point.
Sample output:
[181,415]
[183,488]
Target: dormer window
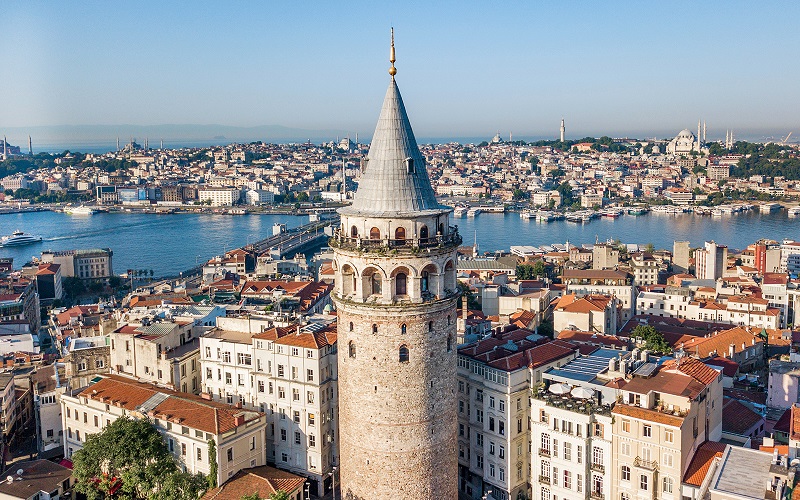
[410,165]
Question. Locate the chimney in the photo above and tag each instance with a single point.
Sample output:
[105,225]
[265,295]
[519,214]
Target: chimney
[731,350]
[238,420]
[205,395]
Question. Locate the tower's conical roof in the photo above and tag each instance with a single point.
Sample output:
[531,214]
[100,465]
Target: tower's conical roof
[389,186]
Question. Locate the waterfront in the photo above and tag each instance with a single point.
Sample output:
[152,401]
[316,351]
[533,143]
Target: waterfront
[173,243]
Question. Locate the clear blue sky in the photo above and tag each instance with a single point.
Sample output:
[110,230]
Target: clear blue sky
[465,68]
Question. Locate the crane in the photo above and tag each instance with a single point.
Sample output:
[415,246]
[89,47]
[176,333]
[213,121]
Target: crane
[786,138]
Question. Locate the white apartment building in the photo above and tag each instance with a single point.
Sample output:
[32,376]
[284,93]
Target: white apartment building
[788,250]
[48,384]
[710,261]
[571,448]
[774,288]
[494,381]
[188,423]
[609,282]
[289,373]
[665,414]
[163,352]
[219,197]
[645,269]
[590,313]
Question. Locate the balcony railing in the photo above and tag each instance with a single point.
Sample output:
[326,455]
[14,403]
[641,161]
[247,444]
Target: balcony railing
[544,479]
[598,468]
[566,402]
[405,245]
[544,452]
[596,495]
[645,464]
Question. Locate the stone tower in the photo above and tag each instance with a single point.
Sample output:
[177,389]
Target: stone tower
[396,299]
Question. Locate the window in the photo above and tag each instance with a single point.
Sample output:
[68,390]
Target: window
[309,375]
[568,479]
[310,396]
[294,373]
[491,424]
[667,483]
[546,443]
[626,425]
[296,417]
[647,430]
[597,485]
[311,419]
[501,453]
[400,281]
[403,354]
[626,473]
[479,439]
[280,370]
[491,447]
[501,427]
[226,357]
[260,386]
[352,349]
[545,469]
[502,406]
[491,401]
[240,379]
[625,449]
[491,470]
[312,441]
[199,454]
[449,343]
[281,393]
[669,436]
[643,482]
[209,374]
[283,436]
[667,460]
[374,328]
[296,437]
[183,449]
[479,461]
[580,454]
[478,415]
[230,454]
[567,451]
[597,455]
[244,359]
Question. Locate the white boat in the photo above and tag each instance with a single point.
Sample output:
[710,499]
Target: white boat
[527,214]
[19,238]
[472,212]
[769,207]
[793,212]
[460,211]
[717,213]
[81,210]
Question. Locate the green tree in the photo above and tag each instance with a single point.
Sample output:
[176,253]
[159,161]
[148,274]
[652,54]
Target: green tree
[472,300]
[653,340]
[252,496]
[302,197]
[279,495]
[649,248]
[525,272]
[73,287]
[135,453]
[546,329]
[519,194]
[212,464]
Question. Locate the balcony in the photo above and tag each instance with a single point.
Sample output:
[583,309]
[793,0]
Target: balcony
[598,468]
[544,452]
[596,495]
[544,479]
[405,246]
[645,464]
[566,402]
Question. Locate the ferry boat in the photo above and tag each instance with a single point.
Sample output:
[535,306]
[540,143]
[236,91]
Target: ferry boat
[717,212]
[460,211]
[769,207]
[19,238]
[637,211]
[793,212]
[527,214]
[472,212]
[81,210]
[612,213]
[546,217]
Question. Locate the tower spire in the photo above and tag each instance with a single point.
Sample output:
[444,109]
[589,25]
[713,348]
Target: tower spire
[392,70]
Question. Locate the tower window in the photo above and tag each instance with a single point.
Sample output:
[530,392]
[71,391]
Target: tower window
[410,165]
[352,349]
[400,234]
[376,284]
[374,233]
[374,328]
[423,283]
[403,329]
[351,326]
[423,233]
[400,282]
[403,354]
[354,232]
[448,319]
[430,326]
[449,343]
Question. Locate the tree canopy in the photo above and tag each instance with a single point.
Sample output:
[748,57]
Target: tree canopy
[130,456]
[653,340]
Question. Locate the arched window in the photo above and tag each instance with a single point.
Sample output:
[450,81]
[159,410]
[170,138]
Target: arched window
[354,232]
[374,328]
[448,319]
[430,326]
[351,326]
[403,329]
[423,233]
[400,233]
[403,354]
[352,349]
[400,282]
[423,282]
[374,233]
[441,229]
[376,284]
[449,343]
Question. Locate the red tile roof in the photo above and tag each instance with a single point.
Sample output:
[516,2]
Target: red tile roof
[263,481]
[646,414]
[738,418]
[701,462]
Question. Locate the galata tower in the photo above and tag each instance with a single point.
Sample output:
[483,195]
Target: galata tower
[396,296]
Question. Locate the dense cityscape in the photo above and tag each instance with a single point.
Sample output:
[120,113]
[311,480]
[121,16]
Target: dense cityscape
[365,346]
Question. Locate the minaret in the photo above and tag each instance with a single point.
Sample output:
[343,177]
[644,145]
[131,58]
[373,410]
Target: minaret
[396,299]
[698,136]
[117,143]
[30,146]
[563,130]
[5,147]
[704,132]
[162,144]
[344,180]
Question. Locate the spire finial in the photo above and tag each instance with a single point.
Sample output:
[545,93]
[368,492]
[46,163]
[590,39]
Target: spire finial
[392,70]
